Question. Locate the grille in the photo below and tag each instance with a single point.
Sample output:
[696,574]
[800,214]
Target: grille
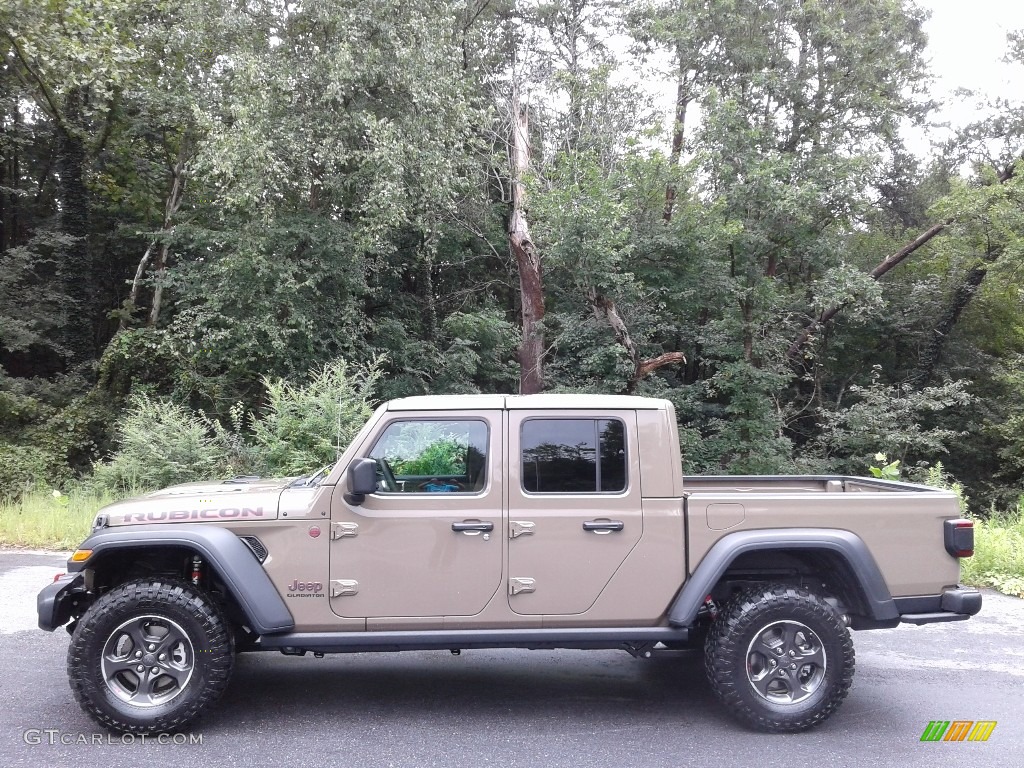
[256,546]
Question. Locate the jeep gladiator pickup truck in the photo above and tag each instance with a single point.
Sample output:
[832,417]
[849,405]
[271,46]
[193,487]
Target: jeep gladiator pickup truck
[494,521]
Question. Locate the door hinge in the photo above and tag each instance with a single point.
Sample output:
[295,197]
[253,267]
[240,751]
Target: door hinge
[344,587]
[341,530]
[519,586]
[517,528]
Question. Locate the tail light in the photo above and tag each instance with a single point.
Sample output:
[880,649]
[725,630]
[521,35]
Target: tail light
[959,537]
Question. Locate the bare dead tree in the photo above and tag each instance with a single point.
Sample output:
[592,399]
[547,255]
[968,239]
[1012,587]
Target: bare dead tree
[527,257]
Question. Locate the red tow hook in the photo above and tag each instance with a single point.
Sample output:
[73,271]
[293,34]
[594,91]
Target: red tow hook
[709,603]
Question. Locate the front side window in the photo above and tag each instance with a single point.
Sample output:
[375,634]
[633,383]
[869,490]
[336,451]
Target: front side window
[573,455]
[422,456]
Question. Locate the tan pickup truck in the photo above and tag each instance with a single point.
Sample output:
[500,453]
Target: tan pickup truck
[491,521]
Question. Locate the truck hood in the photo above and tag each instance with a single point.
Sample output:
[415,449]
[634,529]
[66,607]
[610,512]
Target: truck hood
[213,501]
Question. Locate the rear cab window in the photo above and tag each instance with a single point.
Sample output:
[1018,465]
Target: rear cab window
[576,455]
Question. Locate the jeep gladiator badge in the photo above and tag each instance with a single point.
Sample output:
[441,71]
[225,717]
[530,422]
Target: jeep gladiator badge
[305,589]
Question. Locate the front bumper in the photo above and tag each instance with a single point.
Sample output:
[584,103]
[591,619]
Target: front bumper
[956,604]
[57,602]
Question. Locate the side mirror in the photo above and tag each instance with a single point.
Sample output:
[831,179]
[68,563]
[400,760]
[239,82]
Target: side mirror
[362,479]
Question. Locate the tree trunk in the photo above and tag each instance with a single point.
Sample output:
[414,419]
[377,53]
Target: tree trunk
[430,321]
[962,297]
[158,287]
[133,295]
[171,206]
[528,261]
[747,312]
[75,266]
[10,180]
[4,186]
[678,136]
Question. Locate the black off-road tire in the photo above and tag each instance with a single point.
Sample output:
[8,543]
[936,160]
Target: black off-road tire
[780,658]
[129,620]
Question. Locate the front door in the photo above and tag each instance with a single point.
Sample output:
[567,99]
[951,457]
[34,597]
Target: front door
[428,542]
[574,507]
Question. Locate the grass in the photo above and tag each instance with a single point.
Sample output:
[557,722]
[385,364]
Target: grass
[44,521]
[998,560]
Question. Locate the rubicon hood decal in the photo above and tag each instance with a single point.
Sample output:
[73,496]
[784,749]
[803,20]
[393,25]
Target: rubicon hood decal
[200,502]
[175,515]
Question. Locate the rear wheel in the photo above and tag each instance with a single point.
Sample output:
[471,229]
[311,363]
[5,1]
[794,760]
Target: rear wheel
[780,658]
[149,656]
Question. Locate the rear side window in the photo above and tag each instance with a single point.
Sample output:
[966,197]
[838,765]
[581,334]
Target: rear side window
[573,455]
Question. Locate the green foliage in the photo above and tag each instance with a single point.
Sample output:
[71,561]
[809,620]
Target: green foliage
[747,432]
[51,432]
[1010,585]
[998,553]
[888,471]
[161,443]
[330,180]
[428,448]
[894,417]
[306,426]
[23,469]
[33,306]
[439,458]
[138,358]
[478,352]
[74,44]
[937,477]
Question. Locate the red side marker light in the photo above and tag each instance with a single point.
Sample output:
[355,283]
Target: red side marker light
[966,552]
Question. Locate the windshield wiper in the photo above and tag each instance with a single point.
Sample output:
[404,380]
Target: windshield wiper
[314,479]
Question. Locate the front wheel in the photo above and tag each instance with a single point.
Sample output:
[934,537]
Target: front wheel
[780,658]
[149,656]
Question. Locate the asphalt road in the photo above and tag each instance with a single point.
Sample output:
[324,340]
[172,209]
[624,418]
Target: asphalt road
[529,709]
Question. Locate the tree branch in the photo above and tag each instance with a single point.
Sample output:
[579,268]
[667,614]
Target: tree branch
[893,260]
[49,97]
[652,364]
[605,307]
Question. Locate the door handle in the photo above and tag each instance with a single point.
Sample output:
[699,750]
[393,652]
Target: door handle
[603,526]
[474,527]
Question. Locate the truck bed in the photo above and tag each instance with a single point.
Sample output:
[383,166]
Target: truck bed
[891,517]
[719,484]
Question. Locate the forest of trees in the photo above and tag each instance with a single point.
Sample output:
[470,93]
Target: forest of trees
[488,195]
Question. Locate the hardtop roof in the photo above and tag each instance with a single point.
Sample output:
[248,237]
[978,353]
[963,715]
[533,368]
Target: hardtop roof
[526,402]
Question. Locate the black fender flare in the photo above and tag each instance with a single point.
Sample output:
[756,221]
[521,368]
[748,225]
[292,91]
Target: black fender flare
[850,547]
[234,562]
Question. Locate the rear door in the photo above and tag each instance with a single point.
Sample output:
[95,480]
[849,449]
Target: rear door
[428,542]
[574,507]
